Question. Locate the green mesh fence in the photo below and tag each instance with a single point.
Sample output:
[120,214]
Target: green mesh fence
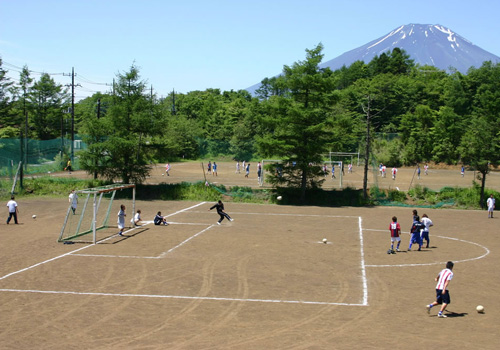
[38,156]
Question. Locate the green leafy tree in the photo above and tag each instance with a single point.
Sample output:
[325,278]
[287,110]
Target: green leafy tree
[297,127]
[47,103]
[120,137]
[480,149]
[6,113]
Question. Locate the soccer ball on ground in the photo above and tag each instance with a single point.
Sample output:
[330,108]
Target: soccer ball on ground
[480,309]
[279,198]
[325,240]
[34,216]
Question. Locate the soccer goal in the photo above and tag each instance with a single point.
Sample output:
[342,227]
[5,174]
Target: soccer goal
[337,165]
[92,213]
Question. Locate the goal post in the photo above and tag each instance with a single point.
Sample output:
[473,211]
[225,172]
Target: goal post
[268,165]
[96,205]
[337,165]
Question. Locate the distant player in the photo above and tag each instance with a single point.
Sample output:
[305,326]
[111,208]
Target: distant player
[333,171]
[426,169]
[418,172]
[491,206]
[73,199]
[214,169]
[442,294]
[394,172]
[247,170]
[395,229]
[425,232]
[167,169]
[462,171]
[209,168]
[121,220]
[384,171]
[13,210]
[349,168]
[237,167]
[220,210]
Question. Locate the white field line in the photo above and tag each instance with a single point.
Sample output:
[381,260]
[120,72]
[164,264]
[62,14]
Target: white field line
[364,281]
[181,297]
[363,269]
[80,249]
[487,251]
[275,214]
[162,255]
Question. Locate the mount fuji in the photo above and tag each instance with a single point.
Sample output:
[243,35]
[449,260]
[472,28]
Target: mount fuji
[426,44]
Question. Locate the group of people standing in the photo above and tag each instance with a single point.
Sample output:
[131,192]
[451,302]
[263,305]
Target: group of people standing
[419,232]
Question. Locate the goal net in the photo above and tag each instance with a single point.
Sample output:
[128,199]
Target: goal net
[88,219]
[334,171]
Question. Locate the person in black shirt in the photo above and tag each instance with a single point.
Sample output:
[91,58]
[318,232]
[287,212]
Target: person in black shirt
[220,210]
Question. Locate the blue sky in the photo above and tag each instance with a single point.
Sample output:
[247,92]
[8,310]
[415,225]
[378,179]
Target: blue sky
[190,45]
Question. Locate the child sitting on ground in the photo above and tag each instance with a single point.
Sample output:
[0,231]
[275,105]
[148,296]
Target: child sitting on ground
[159,219]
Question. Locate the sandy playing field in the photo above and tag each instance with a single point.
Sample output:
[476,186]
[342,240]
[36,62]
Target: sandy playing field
[405,179]
[264,281]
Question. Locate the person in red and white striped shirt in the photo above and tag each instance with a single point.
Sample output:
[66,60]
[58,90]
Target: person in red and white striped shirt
[442,294]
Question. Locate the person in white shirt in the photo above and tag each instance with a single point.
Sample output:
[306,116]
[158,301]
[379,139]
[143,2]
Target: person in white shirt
[491,206]
[425,232]
[13,210]
[73,199]
[137,218]
[442,294]
[121,220]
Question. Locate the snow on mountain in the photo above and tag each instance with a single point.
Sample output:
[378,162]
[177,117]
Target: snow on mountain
[427,44]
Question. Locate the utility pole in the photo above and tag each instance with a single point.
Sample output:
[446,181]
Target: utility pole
[72,155]
[367,149]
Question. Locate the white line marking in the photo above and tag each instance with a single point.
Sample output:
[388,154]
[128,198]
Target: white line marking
[363,269]
[184,242]
[182,297]
[116,256]
[487,251]
[80,249]
[302,215]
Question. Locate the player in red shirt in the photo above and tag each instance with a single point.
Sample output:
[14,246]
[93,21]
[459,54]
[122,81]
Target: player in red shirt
[395,229]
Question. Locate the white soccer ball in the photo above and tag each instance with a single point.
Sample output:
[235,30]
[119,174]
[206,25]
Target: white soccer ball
[480,308]
[162,174]
[34,216]
[325,240]
[279,198]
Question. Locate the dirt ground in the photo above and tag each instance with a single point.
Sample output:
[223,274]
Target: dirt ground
[406,178]
[264,281]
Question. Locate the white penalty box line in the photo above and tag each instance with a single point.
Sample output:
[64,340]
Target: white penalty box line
[162,255]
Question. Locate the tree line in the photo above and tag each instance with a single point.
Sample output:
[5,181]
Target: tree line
[417,114]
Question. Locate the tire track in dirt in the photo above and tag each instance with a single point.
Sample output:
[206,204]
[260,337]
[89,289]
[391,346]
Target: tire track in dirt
[280,331]
[57,321]
[123,305]
[206,286]
[228,313]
